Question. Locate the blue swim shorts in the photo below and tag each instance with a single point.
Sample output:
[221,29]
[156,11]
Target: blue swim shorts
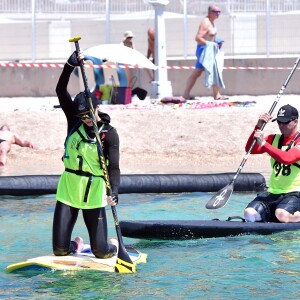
[199,50]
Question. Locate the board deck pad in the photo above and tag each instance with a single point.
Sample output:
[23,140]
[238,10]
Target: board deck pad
[75,262]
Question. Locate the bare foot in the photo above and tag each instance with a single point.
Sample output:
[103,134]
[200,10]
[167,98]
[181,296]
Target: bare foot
[296,216]
[80,245]
[114,242]
[222,98]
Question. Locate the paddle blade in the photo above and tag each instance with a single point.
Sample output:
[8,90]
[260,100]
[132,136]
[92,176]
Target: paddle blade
[124,263]
[220,198]
[124,267]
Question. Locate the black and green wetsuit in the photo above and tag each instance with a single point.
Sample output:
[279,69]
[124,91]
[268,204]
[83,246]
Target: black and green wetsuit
[81,185]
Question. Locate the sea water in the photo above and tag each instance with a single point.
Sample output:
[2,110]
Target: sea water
[241,267]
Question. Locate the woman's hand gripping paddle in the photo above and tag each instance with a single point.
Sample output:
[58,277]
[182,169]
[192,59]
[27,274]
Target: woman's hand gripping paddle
[222,196]
[124,263]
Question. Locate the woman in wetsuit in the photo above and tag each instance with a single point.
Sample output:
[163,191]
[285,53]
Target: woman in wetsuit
[82,185]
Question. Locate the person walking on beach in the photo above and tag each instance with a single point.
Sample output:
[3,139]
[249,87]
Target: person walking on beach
[7,138]
[82,184]
[150,51]
[281,202]
[151,44]
[206,33]
[130,73]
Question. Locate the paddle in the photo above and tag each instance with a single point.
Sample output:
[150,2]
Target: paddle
[222,196]
[124,263]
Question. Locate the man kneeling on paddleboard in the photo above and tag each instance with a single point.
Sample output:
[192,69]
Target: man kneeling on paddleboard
[281,202]
[82,184]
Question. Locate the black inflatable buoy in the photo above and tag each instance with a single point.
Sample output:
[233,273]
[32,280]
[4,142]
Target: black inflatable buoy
[139,183]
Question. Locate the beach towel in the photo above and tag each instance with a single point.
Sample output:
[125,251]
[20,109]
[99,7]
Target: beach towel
[209,60]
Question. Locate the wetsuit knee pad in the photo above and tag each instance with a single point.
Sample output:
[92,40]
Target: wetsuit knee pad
[290,202]
[262,209]
[59,252]
[112,250]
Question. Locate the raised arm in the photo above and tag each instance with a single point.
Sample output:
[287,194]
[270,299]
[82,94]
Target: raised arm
[64,97]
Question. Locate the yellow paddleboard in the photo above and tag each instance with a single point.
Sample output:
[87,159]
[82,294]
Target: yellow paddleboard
[79,261]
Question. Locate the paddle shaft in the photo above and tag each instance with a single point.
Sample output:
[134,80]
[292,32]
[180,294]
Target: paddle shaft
[101,154]
[270,113]
[92,115]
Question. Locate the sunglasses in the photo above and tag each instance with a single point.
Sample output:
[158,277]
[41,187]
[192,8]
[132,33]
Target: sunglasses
[285,123]
[84,117]
[216,11]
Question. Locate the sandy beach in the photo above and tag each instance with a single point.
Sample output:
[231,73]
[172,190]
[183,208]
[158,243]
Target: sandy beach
[154,139]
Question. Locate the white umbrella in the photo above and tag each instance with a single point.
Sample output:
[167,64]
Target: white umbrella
[119,53]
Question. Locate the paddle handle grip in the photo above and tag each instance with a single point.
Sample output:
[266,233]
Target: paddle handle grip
[75,39]
[81,64]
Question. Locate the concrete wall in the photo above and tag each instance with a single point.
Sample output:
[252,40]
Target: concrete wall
[39,82]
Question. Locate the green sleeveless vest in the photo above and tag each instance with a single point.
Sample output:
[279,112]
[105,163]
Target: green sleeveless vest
[82,184]
[284,178]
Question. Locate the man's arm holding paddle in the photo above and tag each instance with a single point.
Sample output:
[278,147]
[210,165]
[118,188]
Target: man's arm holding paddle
[258,135]
[264,144]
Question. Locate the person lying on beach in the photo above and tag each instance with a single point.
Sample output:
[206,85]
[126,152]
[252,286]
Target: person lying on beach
[7,138]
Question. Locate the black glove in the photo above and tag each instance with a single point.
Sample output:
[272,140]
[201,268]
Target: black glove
[115,198]
[73,61]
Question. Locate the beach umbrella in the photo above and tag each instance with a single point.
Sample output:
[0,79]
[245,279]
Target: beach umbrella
[121,54]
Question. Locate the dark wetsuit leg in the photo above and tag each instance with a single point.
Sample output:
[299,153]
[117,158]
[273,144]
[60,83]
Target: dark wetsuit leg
[290,202]
[63,224]
[265,204]
[2,141]
[95,220]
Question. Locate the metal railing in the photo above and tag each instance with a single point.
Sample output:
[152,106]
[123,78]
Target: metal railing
[196,7]
[249,27]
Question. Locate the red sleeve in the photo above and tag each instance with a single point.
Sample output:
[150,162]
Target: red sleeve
[286,158]
[257,149]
